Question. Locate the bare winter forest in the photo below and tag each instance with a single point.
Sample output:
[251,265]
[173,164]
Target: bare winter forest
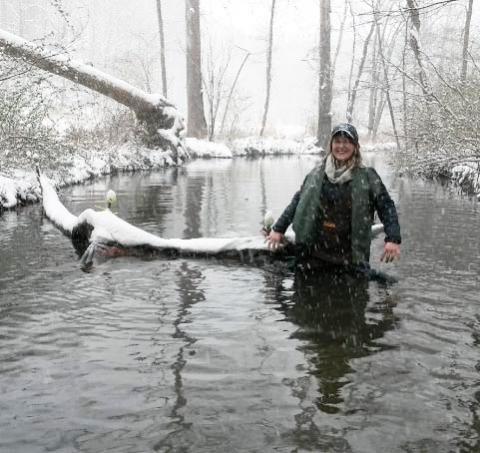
[84,74]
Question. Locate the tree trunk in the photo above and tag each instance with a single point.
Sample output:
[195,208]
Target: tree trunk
[415,45]
[466,39]
[162,47]
[386,81]
[340,38]
[196,123]
[269,68]
[378,115]
[353,96]
[160,121]
[325,81]
[372,99]
[404,90]
[354,51]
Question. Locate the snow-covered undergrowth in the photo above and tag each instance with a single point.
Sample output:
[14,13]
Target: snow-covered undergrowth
[460,169]
[442,132]
[467,176]
[20,186]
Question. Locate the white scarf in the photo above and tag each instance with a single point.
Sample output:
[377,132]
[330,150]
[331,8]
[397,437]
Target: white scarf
[339,175]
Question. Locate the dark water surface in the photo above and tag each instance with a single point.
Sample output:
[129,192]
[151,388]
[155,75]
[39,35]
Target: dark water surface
[204,356]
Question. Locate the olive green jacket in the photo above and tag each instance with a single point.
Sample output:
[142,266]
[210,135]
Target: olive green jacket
[368,194]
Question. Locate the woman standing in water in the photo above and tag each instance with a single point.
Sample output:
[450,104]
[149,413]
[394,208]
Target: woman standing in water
[333,211]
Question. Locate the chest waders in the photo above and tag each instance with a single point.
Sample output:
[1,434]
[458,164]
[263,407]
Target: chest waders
[309,215]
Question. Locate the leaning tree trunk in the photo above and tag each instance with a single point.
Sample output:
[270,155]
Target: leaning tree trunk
[196,123]
[159,121]
[325,81]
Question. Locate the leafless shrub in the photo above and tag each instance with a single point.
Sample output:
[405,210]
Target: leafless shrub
[443,132]
[27,133]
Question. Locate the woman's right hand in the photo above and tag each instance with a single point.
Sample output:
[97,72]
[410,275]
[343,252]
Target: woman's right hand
[275,240]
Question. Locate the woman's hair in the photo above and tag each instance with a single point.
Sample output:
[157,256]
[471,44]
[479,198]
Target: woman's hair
[356,159]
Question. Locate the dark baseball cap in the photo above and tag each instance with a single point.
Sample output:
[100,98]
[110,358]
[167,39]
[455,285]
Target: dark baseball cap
[346,128]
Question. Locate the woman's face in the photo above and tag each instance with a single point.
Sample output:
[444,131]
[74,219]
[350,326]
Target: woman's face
[342,148]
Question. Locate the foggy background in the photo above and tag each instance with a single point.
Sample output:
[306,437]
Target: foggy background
[121,37]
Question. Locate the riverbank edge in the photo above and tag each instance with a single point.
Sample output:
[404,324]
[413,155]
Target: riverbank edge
[20,187]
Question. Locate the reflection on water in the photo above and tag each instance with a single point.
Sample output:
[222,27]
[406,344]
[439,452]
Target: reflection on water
[189,279]
[202,355]
[330,313]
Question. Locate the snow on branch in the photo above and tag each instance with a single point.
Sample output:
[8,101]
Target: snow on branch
[83,74]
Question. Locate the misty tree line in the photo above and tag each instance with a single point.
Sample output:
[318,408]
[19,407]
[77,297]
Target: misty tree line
[430,105]
[408,74]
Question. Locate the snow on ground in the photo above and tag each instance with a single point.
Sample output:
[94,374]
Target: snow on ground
[255,146]
[251,147]
[205,149]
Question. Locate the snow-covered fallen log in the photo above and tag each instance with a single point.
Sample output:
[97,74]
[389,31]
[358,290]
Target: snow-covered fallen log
[95,231]
[106,234]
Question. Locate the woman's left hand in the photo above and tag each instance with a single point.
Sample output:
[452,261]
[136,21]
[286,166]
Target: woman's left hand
[390,252]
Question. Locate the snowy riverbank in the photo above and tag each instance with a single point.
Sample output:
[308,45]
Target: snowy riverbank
[20,186]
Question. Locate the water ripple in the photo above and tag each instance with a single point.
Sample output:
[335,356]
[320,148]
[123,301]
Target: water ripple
[196,355]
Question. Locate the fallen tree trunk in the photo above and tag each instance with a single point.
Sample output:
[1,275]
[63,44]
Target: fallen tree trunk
[160,124]
[102,232]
